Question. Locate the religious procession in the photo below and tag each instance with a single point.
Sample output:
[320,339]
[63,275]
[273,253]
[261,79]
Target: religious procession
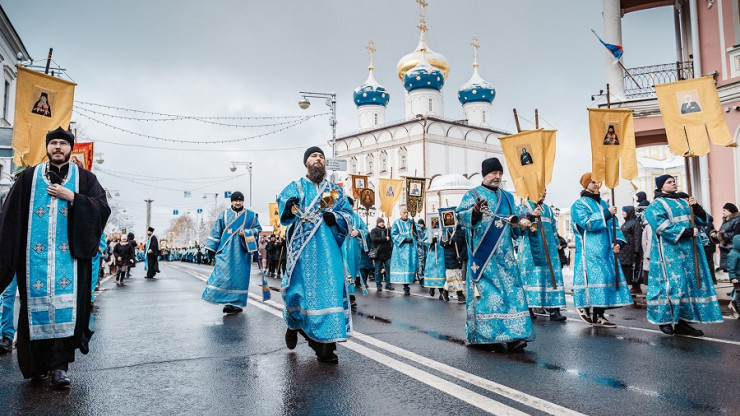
[453,266]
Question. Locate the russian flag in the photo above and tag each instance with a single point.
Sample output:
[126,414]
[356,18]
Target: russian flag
[616,50]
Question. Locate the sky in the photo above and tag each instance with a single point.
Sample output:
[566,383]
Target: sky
[250,59]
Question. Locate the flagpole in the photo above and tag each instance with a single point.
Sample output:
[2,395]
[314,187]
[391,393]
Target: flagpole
[614,219]
[689,188]
[539,217]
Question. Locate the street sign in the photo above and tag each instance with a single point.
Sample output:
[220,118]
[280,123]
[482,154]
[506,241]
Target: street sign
[227,194]
[175,212]
[187,194]
[336,164]
[199,211]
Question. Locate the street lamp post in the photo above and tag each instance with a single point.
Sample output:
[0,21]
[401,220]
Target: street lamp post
[331,102]
[249,169]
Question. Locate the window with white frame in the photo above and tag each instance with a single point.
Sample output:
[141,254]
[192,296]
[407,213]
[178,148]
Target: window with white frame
[376,119]
[353,165]
[383,161]
[430,104]
[370,163]
[403,159]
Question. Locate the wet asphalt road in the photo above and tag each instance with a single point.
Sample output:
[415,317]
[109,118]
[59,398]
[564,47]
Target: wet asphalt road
[159,349]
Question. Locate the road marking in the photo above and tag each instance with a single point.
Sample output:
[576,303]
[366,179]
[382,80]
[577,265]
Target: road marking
[429,379]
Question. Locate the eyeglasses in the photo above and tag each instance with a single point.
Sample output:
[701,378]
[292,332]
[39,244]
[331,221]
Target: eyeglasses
[60,143]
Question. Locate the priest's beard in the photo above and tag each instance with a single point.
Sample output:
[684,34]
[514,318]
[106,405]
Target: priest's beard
[493,183]
[237,209]
[316,173]
[56,162]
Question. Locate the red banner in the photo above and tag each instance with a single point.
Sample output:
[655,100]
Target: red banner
[82,155]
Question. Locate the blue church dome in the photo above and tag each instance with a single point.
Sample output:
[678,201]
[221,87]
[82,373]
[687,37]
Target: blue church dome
[371,92]
[422,76]
[476,90]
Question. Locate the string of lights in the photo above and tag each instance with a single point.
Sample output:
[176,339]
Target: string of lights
[200,150]
[159,178]
[188,118]
[168,188]
[197,141]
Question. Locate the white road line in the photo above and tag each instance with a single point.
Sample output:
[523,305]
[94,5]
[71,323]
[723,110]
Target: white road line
[508,392]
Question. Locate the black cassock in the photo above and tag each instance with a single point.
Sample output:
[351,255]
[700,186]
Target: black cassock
[86,221]
[152,264]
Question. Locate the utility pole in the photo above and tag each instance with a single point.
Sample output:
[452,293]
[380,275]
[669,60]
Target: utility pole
[148,212]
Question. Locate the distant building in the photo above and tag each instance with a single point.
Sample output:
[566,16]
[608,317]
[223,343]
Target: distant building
[425,143]
[707,37]
[11,51]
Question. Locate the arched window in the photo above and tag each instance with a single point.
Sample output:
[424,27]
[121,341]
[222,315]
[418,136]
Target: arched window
[370,163]
[383,161]
[430,105]
[376,119]
[353,164]
[403,160]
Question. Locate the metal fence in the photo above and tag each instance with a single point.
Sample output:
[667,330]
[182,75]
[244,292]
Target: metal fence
[640,84]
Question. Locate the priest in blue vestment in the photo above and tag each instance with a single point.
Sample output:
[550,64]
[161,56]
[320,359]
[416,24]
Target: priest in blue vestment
[404,259]
[533,265]
[435,274]
[232,240]
[49,233]
[314,287]
[674,297]
[496,306]
[595,279]
[355,243]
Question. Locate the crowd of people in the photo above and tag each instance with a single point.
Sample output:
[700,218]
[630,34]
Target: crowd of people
[500,258]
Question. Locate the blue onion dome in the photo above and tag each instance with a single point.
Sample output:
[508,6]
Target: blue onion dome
[476,89]
[371,92]
[423,76]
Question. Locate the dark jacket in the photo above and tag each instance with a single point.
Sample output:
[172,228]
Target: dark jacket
[733,259]
[729,228]
[378,237]
[629,253]
[125,252]
[456,250]
[273,250]
[365,262]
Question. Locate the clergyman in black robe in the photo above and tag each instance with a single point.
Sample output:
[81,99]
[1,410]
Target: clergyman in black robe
[152,253]
[86,218]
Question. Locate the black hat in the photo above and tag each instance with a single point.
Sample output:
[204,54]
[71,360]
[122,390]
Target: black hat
[237,196]
[641,196]
[311,150]
[660,181]
[60,133]
[420,222]
[491,165]
[379,220]
[150,229]
[730,207]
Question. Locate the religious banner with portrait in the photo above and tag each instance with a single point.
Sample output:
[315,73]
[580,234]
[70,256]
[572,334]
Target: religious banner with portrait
[448,220]
[82,155]
[692,115]
[359,182]
[274,215]
[415,189]
[434,225]
[530,156]
[612,144]
[367,198]
[390,191]
[42,103]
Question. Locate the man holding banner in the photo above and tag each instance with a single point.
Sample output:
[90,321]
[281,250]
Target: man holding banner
[596,284]
[318,217]
[676,294]
[496,305]
[232,242]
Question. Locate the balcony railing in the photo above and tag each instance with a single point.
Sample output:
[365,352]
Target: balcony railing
[647,76]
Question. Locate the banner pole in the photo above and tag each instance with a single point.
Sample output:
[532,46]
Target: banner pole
[614,203]
[48,61]
[689,188]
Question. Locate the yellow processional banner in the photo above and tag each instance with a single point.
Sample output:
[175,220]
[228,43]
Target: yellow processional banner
[42,103]
[692,115]
[274,217]
[612,140]
[530,156]
[390,191]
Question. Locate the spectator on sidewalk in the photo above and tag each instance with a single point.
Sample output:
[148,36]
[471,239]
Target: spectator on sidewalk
[733,270]
[729,228]
[629,254]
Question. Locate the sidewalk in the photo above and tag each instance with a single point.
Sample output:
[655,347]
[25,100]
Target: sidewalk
[723,287]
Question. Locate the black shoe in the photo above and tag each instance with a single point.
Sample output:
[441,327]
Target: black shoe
[431,292]
[531,314]
[40,377]
[446,296]
[516,346]
[406,292]
[389,287]
[556,316]
[327,354]
[482,347]
[59,379]
[460,298]
[380,288]
[291,338]
[231,309]
[6,345]
[683,328]
[666,329]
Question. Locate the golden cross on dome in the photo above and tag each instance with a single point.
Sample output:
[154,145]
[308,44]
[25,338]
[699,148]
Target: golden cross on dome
[475,46]
[422,22]
[371,49]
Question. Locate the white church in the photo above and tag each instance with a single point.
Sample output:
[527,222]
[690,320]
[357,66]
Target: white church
[425,144]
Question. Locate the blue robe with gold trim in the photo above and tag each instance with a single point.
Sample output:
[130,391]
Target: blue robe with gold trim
[673,294]
[404,259]
[314,287]
[500,314]
[353,248]
[229,280]
[435,273]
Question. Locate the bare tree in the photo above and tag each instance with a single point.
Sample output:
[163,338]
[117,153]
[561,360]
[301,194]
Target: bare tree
[182,231]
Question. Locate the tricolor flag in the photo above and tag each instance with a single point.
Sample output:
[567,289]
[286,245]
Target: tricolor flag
[616,50]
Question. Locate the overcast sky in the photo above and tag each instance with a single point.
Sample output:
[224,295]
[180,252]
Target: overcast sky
[246,58]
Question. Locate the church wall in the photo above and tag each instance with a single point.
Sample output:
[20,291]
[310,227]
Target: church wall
[418,102]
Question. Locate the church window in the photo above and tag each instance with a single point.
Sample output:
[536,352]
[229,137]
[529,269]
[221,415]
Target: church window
[376,119]
[370,164]
[402,158]
[484,117]
[353,164]
[383,162]
[430,104]
[6,99]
